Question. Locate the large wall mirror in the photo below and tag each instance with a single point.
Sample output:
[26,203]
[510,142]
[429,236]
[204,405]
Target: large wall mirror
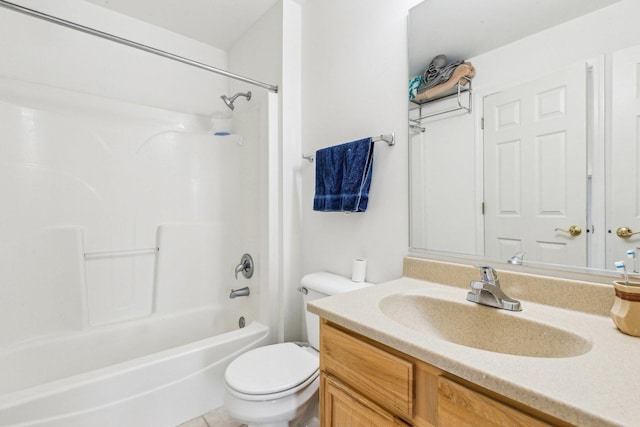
[545,157]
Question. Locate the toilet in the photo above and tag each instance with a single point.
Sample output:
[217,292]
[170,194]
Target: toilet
[277,385]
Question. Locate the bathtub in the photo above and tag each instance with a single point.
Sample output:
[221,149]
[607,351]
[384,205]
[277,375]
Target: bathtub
[158,371]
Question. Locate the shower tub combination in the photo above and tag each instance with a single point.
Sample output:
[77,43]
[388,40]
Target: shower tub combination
[114,305]
[121,229]
[115,310]
[124,216]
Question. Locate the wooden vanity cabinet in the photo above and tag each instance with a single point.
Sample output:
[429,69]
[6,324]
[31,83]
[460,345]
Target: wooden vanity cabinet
[365,383]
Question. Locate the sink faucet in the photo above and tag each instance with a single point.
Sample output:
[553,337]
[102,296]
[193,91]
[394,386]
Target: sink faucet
[516,259]
[487,291]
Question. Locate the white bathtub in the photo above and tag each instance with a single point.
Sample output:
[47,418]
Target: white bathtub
[153,372]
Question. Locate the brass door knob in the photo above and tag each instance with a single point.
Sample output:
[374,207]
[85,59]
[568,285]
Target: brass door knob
[573,231]
[625,232]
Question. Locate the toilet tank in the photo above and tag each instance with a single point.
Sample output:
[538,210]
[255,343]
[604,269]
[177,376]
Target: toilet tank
[320,285]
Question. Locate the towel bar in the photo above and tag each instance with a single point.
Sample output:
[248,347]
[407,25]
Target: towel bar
[389,138]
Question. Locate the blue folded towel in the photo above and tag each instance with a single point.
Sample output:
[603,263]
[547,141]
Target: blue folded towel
[343,177]
[414,84]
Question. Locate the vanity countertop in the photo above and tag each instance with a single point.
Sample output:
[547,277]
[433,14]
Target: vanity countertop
[598,388]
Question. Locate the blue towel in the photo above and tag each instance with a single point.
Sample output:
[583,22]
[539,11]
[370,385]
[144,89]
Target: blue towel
[414,84]
[343,177]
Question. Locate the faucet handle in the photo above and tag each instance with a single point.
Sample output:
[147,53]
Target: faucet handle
[487,273]
[476,285]
[245,267]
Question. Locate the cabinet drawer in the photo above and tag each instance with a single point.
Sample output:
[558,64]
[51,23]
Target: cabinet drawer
[383,377]
[460,406]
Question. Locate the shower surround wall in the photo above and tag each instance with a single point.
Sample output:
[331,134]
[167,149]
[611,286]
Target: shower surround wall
[91,188]
[120,207]
[91,185]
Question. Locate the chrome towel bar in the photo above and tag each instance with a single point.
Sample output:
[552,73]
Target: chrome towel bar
[389,138]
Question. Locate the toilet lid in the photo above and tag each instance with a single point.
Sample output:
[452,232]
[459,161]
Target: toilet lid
[271,369]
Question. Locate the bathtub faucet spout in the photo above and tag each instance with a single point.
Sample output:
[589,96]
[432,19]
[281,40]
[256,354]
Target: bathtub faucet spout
[243,292]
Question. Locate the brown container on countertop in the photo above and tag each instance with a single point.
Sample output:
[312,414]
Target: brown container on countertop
[626,308]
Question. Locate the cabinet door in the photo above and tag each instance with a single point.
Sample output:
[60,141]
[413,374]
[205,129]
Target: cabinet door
[341,406]
[460,406]
[381,376]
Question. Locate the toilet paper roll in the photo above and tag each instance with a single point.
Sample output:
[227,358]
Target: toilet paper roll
[359,270]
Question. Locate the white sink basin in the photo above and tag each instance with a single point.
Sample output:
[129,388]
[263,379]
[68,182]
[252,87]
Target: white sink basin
[485,328]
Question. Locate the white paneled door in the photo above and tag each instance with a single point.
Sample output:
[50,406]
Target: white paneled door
[535,169]
[624,212]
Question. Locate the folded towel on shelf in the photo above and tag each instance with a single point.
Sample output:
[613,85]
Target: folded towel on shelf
[462,74]
[343,177]
[414,84]
[437,72]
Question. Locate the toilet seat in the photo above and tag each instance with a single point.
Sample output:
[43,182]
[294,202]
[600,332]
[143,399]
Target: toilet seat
[272,372]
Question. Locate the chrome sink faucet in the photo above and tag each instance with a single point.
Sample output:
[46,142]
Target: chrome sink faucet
[487,291]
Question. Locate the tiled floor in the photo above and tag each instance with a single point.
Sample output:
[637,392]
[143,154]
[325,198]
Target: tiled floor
[215,418]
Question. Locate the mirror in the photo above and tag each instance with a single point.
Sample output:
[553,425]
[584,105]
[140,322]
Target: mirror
[494,181]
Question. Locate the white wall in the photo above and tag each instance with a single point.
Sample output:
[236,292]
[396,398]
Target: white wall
[258,53]
[597,33]
[444,206]
[354,85]
[291,108]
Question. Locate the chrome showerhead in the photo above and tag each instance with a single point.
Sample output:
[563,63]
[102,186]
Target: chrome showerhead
[230,101]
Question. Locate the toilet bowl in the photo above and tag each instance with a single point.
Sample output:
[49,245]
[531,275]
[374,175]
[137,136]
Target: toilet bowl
[275,385]
[278,385]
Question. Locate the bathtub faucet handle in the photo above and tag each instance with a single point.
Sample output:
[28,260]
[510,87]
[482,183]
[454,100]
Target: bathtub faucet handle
[245,267]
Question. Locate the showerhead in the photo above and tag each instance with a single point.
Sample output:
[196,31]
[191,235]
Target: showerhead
[230,101]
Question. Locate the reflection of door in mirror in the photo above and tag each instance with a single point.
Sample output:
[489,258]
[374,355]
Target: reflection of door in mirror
[625,174]
[447,165]
[535,169]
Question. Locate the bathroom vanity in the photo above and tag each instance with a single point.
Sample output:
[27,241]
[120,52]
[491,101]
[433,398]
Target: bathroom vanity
[364,382]
[413,351]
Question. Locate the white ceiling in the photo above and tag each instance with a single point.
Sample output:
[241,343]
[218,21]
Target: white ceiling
[216,22]
[462,29]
